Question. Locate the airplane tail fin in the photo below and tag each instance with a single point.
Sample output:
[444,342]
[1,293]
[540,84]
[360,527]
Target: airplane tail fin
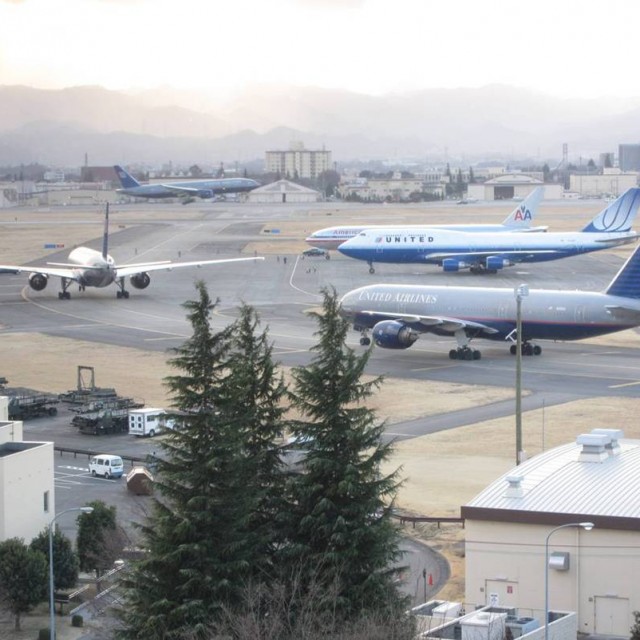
[627,281]
[105,237]
[618,216]
[522,216]
[126,179]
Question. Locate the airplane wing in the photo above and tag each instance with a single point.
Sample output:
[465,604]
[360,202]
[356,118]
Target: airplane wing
[46,271]
[514,255]
[426,324]
[133,269]
[181,191]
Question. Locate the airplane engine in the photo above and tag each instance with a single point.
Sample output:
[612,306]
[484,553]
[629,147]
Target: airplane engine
[38,281]
[496,262]
[205,193]
[451,264]
[140,280]
[390,334]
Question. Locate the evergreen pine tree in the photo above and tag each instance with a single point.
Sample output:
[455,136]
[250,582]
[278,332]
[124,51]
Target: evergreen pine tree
[340,523]
[197,543]
[258,390]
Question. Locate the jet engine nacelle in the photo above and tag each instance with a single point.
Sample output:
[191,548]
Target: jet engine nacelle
[390,334]
[205,193]
[140,280]
[38,281]
[496,262]
[451,264]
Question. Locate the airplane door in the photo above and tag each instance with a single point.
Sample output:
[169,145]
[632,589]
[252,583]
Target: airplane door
[581,313]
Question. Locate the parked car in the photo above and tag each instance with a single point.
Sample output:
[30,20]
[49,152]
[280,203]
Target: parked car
[315,252]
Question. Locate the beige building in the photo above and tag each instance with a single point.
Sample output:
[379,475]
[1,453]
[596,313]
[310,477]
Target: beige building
[594,573]
[298,161]
[27,495]
[611,182]
[512,185]
[283,191]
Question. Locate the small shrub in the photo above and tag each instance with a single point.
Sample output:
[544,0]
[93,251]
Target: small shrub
[43,634]
[77,620]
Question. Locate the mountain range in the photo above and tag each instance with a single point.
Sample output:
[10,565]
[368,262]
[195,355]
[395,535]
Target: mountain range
[58,127]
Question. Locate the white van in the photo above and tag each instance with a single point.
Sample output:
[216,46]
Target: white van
[106,465]
[149,422]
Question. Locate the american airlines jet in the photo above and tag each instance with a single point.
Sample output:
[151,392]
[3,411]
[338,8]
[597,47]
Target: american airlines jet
[90,268]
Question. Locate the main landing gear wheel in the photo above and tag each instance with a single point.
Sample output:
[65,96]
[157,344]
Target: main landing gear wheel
[64,295]
[464,353]
[527,349]
[365,341]
[122,294]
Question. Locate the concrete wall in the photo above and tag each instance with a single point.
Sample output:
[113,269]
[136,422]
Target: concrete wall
[507,560]
[26,475]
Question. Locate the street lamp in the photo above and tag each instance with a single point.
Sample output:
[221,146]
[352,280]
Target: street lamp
[587,526]
[52,620]
[522,291]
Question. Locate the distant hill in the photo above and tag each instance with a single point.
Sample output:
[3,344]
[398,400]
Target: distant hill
[59,127]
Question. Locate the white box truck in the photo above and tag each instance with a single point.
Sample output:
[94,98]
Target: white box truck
[149,422]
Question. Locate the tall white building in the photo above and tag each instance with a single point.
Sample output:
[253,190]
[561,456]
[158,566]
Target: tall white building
[298,162]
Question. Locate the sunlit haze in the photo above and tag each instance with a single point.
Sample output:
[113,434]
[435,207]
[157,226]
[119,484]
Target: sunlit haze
[565,48]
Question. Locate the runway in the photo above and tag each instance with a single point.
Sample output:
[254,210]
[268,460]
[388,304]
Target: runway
[284,287]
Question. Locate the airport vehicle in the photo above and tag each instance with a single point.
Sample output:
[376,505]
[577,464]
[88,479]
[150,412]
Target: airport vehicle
[490,252]
[106,465]
[397,314]
[91,268]
[106,416]
[184,189]
[520,219]
[149,422]
[315,252]
[27,404]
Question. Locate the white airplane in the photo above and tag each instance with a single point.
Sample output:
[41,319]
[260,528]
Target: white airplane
[91,268]
[490,252]
[520,219]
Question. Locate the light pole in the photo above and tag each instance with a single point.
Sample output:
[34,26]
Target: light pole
[520,292]
[587,526]
[52,620]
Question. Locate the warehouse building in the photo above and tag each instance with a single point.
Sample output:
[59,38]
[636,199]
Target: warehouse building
[283,191]
[510,186]
[535,511]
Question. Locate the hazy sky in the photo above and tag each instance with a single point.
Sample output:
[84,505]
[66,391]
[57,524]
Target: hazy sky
[567,48]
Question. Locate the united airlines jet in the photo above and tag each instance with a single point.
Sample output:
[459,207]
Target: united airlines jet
[90,268]
[184,189]
[490,252]
[520,219]
[397,314]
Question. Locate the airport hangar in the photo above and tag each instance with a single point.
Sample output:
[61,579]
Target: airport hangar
[594,573]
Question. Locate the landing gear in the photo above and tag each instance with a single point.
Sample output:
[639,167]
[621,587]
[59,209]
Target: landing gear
[64,294]
[371,269]
[528,349]
[464,353]
[479,270]
[365,340]
[122,292]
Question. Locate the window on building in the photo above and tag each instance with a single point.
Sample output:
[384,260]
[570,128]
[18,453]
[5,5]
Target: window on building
[46,501]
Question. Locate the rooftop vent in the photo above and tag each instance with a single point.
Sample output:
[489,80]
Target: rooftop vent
[593,447]
[613,446]
[514,490]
